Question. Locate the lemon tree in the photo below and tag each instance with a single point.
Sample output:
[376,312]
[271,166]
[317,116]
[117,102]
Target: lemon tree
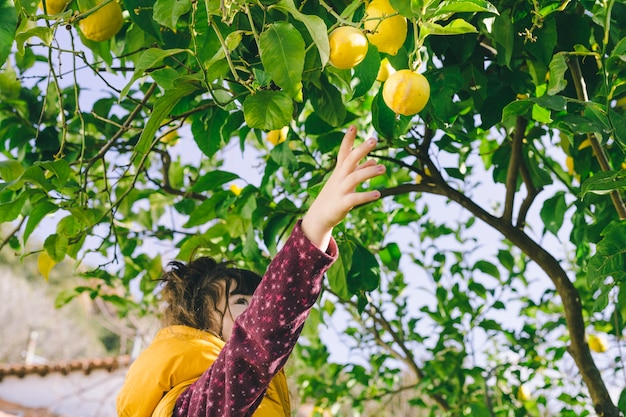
[495,253]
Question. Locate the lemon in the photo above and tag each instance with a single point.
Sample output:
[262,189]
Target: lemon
[104,23]
[406,92]
[54,6]
[387,33]
[597,343]
[523,394]
[348,47]
[235,189]
[385,70]
[569,164]
[277,136]
[170,138]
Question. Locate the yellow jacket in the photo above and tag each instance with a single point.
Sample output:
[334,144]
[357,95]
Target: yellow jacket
[177,357]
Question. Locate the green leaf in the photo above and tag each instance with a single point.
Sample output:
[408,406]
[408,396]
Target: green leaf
[516,108]
[140,12]
[364,274]
[366,72]
[314,24]
[207,131]
[204,213]
[11,170]
[409,8]
[39,211]
[604,183]
[213,180]
[161,111]
[282,55]
[149,59]
[26,31]
[558,68]
[60,168]
[553,212]
[328,104]
[464,6]
[56,246]
[8,25]
[556,103]
[11,209]
[487,268]
[390,256]
[168,13]
[383,118]
[268,110]
[610,256]
[503,36]
[284,156]
[621,403]
[456,27]
[338,273]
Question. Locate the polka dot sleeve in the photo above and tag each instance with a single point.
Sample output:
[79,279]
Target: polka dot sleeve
[264,335]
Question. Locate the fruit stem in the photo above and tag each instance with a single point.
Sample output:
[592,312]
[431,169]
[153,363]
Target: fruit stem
[86,13]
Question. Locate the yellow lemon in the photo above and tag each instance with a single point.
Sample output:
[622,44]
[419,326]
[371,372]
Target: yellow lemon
[277,136]
[623,165]
[348,47]
[385,28]
[597,343]
[569,163]
[406,92]
[523,394]
[584,144]
[170,138]
[54,6]
[104,23]
[235,189]
[385,70]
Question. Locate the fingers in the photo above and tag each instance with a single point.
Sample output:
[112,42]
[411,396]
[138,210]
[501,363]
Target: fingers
[349,156]
[346,144]
[364,172]
[357,199]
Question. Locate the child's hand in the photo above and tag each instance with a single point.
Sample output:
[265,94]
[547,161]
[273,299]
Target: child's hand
[339,196]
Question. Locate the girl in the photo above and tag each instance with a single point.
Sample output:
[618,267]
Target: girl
[227,340]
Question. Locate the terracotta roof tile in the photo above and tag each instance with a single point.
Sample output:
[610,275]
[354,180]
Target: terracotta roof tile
[65,367]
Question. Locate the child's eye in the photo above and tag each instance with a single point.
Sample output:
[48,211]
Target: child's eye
[242,301]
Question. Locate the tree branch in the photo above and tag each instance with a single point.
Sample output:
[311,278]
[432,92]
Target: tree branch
[514,164]
[578,348]
[598,150]
[406,356]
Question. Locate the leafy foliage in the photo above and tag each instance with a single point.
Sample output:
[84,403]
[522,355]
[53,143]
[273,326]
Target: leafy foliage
[525,130]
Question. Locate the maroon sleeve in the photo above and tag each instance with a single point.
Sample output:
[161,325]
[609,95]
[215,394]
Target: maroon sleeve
[263,336]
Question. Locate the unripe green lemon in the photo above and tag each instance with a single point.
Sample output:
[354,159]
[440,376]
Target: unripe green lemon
[406,92]
[348,47]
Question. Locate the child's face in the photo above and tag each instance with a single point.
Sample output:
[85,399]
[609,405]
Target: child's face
[237,304]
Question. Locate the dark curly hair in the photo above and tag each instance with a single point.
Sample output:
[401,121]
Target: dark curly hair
[192,291]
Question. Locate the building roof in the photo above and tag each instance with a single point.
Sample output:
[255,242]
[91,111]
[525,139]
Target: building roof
[65,367]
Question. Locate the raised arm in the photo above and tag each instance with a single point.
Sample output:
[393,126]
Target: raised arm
[264,335]
[339,194]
